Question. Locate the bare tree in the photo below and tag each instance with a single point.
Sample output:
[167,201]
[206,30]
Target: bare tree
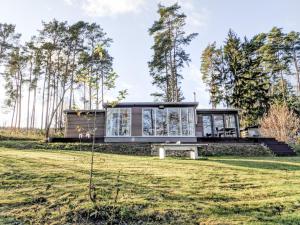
[280,123]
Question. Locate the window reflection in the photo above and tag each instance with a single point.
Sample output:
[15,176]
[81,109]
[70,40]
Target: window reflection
[174,123]
[207,128]
[187,121]
[168,122]
[218,126]
[148,122]
[230,126]
[161,122]
[118,122]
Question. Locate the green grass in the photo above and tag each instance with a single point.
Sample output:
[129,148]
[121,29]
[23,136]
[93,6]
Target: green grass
[51,187]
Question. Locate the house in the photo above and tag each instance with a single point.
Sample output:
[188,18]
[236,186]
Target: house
[153,122]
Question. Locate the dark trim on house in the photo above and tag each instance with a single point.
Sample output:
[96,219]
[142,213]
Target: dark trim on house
[150,139]
[216,111]
[84,111]
[151,104]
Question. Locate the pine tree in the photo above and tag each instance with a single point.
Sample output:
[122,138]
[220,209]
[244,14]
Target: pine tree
[232,80]
[293,47]
[276,60]
[169,55]
[8,39]
[213,72]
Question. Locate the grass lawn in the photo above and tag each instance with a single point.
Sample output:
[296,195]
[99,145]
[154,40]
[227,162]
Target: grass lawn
[51,187]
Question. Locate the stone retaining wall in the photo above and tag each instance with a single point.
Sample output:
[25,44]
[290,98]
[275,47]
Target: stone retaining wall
[144,149]
[224,149]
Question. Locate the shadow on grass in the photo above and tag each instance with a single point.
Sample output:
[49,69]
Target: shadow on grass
[259,164]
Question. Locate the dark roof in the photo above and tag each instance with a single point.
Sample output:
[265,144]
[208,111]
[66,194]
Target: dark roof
[153,104]
[83,111]
[217,110]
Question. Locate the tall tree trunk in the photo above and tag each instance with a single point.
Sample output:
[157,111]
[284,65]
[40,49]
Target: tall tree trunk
[17,112]
[13,115]
[20,99]
[47,129]
[97,91]
[43,100]
[175,71]
[90,89]
[29,92]
[17,99]
[33,108]
[84,95]
[297,72]
[102,89]
[53,96]
[167,79]
[63,90]
[62,108]
[71,100]
[48,92]
[56,99]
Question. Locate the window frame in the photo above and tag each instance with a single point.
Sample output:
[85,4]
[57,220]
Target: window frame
[118,126]
[236,123]
[154,128]
[168,125]
[210,125]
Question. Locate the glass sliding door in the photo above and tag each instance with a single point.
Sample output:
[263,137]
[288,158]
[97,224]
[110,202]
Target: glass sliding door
[118,122]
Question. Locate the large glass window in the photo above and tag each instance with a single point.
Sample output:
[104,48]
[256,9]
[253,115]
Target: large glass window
[207,128]
[161,122]
[218,126]
[168,122]
[148,122]
[230,126]
[118,122]
[174,122]
[187,121]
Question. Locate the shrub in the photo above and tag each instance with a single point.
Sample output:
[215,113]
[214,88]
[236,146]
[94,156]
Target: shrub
[280,123]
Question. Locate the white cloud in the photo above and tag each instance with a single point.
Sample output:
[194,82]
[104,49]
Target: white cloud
[104,8]
[196,17]
[69,2]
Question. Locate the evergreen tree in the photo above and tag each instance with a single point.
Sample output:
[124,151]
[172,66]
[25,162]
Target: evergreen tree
[169,55]
[232,80]
[293,47]
[213,72]
[276,61]
[50,66]
[8,39]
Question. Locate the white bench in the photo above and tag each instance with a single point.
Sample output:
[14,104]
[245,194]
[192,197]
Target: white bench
[192,148]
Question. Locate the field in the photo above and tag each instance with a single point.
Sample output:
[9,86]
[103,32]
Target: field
[51,187]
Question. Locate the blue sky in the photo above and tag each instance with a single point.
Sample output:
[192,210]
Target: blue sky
[127,23]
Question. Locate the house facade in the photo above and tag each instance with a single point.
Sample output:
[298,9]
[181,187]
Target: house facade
[154,122]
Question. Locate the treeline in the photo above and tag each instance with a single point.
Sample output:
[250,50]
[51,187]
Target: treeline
[250,74]
[63,67]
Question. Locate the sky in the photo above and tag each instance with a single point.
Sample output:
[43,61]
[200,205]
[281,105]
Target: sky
[127,23]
